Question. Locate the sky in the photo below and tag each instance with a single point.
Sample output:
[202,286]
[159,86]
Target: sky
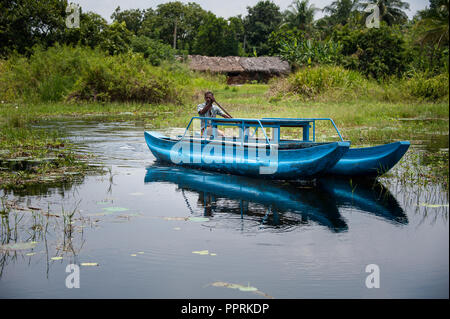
[221,8]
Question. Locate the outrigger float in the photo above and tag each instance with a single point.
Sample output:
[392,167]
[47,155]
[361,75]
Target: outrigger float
[271,157]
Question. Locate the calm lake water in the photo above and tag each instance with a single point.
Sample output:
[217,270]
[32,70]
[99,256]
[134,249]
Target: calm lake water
[157,231]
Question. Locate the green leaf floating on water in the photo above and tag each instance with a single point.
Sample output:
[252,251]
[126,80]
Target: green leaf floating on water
[56,258]
[115,209]
[201,252]
[89,264]
[99,214]
[204,252]
[198,219]
[18,246]
[247,288]
[433,205]
[175,218]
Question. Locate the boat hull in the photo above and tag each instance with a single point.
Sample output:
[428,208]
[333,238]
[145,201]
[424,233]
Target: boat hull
[248,161]
[369,161]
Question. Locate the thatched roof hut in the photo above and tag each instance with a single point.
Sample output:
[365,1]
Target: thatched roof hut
[265,64]
[215,64]
[240,69]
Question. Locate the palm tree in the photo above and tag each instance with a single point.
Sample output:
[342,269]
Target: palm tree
[300,15]
[434,21]
[391,11]
[340,10]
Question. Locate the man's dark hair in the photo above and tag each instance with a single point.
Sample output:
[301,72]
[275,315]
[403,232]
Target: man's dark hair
[209,92]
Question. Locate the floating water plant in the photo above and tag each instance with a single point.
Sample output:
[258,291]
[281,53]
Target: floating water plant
[201,252]
[243,288]
[204,252]
[18,246]
[56,258]
[176,218]
[115,209]
[432,205]
[198,219]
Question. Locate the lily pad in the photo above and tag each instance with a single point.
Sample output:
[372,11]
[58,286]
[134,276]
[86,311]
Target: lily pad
[433,205]
[115,209]
[89,264]
[198,219]
[201,252]
[30,254]
[99,214]
[56,258]
[247,288]
[18,246]
[175,218]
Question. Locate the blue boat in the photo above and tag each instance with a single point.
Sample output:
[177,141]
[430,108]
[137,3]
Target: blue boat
[369,161]
[252,152]
[366,161]
[259,150]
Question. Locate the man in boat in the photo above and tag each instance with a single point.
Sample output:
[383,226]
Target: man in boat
[208,109]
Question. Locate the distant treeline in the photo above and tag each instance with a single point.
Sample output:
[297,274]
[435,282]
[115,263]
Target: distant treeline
[399,46]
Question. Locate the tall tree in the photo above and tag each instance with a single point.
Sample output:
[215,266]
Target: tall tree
[90,32]
[132,18]
[300,15]
[116,38]
[261,21]
[435,23]
[24,23]
[340,11]
[174,23]
[216,38]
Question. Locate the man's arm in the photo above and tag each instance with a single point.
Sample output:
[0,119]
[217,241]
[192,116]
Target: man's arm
[205,109]
[221,112]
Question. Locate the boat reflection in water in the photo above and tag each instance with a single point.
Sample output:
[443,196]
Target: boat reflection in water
[279,204]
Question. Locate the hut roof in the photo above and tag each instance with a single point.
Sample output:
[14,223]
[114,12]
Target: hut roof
[272,65]
[266,64]
[215,64]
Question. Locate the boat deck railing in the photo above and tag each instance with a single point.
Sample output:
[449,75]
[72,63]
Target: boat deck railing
[263,123]
[313,120]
